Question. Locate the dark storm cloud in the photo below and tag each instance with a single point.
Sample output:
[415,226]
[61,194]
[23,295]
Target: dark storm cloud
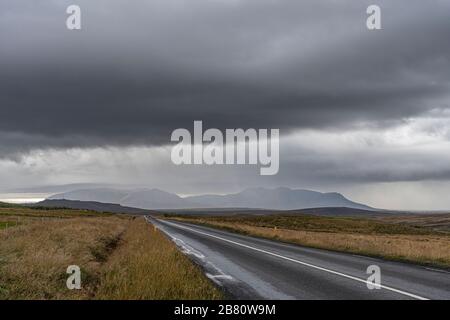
[138,70]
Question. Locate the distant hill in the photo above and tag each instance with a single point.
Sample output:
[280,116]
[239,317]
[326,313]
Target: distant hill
[261,198]
[139,198]
[277,199]
[325,211]
[8,205]
[339,211]
[115,208]
[90,205]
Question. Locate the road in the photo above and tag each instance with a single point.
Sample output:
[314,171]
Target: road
[253,268]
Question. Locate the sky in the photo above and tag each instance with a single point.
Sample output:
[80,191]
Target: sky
[362,112]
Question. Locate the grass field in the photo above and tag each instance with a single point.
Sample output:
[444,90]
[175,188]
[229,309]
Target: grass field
[119,256]
[8,224]
[396,239]
[148,266]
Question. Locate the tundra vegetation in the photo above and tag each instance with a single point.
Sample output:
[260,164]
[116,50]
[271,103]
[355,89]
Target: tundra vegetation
[120,256]
[423,239]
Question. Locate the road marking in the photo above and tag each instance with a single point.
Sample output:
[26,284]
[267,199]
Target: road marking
[294,260]
[437,270]
[220,275]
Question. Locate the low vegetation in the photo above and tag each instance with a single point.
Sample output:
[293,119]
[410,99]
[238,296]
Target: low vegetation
[148,266]
[120,257]
[8,223]
[396,239]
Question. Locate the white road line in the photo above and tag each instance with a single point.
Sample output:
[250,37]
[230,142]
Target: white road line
[214,277]
[296,261]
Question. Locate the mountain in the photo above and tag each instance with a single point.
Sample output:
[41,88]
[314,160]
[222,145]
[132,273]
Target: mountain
[274,199]
[277,199]
[139,198]
[106,195]
[155,199]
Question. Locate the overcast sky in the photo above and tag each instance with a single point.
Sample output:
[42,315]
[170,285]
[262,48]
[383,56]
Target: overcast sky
[365,113]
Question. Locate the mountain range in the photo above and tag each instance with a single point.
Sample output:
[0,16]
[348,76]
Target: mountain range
[275,199]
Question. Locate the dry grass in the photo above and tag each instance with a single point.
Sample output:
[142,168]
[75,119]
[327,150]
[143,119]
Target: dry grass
[360,236]
[437,222]
[8,224]
[19,212]
[120,258]
[35,256]
[148,266]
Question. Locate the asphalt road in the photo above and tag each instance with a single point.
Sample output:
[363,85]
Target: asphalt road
[253,268]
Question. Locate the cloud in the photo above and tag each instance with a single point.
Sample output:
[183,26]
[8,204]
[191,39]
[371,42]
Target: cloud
[362,163]
[137,71]
[359,111]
